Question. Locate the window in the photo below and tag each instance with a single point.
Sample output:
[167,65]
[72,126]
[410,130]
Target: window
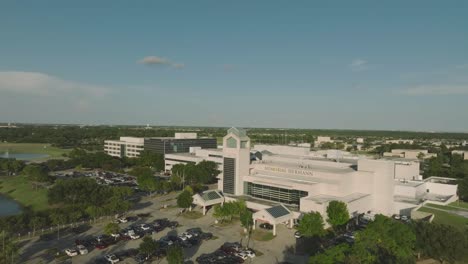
[231,142]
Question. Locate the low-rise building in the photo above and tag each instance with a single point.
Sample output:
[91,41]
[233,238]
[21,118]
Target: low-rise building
[410,153]
[463,153]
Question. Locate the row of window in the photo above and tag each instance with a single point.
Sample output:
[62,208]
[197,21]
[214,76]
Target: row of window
[276,194]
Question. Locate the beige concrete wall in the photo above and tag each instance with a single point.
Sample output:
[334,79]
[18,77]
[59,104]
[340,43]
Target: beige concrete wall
[407,170]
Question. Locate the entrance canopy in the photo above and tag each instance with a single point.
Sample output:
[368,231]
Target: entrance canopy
[208,198]
[274,215]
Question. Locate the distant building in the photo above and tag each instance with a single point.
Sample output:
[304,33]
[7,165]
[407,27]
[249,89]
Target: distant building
[180,143]
[462,153]
[124,147]
[399,141]
[410,153]
[321,139]
[360,140]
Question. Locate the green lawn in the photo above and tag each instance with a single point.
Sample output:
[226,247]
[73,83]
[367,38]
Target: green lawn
[460,204]
[38,148]
[192,215]
[20,189]
[448,207]
[446,218]
[261,235]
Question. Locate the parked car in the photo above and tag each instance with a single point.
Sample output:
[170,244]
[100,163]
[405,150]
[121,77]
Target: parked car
[206,236]
[145,227]
[297,234]
[141,258]
[112,258]
[250,253]
[71,252]
[101,245]
[266,226]
[82,249]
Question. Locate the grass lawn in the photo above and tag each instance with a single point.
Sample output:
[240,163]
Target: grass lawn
[448,207]
[36,148]
[20,189]
[460,204]
[446,218]
[192,215]
[261,235]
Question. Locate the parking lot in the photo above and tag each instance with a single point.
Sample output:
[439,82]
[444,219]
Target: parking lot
[279,249]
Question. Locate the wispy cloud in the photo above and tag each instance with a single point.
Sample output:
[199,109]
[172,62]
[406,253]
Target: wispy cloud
[155,60]
[358,65]
[436,90]
[36,83]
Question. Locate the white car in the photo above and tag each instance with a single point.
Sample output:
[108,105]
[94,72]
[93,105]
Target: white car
[112,258]
[71,252]
[249,253]
[123,220]
[82,249]
[241,255]
[116,235]
[144,227]
[182,237]
[134,236]
[396,217]
[404,218]
[188,235]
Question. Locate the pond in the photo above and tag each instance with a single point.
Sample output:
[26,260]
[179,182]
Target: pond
[23,156]
[9,206]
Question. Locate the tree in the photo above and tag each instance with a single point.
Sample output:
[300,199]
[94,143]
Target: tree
[246,220]
[185,199]
[141,171]
[384,241]
[442,242]
[36,173]
[333,255]
[311,225]
[463,189]
[175,255]
[152,160]
[37,222]
[111,228]
[338,214]
[148,246]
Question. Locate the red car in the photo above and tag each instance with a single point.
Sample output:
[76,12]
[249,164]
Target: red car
[101,246]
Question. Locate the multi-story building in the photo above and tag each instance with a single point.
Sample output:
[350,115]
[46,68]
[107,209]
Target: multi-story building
[194,156]
[125,147]
[285,183]
[180,143]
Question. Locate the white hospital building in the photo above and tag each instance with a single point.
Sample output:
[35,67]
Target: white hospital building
[282,182]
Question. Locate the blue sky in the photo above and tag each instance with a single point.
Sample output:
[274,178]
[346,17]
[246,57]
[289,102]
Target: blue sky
[296,64]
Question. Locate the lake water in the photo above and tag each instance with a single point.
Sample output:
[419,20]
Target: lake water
[23,156]
[8,206]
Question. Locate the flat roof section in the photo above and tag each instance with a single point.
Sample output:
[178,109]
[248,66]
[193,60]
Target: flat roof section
[322,198]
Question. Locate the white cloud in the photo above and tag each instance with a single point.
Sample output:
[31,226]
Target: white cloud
[436,90]
[358,65]
[155,60]
[35,83]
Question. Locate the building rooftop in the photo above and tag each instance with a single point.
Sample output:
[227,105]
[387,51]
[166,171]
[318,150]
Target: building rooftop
[409,183]
[278,211]
[322,198]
